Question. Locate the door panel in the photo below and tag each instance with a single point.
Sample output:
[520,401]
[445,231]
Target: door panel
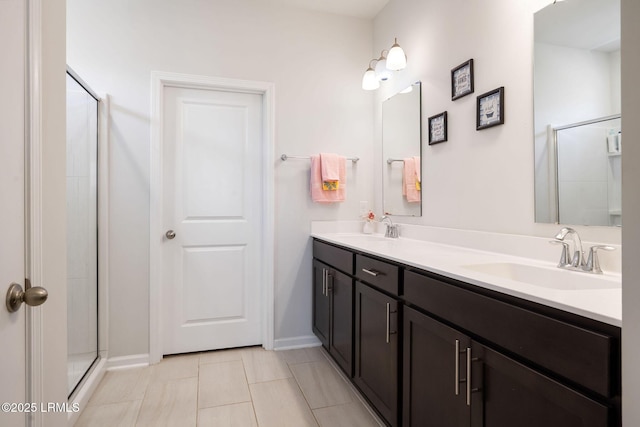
[321,304]
[213,146]
[434,396]
[203,266]
[376,370]
[212,200]
[12,190]
[341,292]
[511,394]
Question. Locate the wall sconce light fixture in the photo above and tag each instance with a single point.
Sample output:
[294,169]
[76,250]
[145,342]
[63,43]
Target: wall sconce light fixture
[394,60]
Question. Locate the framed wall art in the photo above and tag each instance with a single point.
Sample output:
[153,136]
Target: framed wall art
[437,128]
[462,80]
[490,109]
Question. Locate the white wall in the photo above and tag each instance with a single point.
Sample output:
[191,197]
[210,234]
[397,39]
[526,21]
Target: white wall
[478,180]
[631,207]
[316,61]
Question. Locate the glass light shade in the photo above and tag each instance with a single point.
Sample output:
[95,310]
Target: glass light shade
[382,72]
[396,59]
[369,80]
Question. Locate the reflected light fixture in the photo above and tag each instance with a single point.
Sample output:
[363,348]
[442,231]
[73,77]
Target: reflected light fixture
[369,80]
[407,90]
[396,59]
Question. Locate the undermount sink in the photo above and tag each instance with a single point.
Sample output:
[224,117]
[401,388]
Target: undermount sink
[550,278]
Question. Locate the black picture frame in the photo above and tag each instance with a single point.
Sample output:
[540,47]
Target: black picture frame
[490,109]
[437,126]
[462,80]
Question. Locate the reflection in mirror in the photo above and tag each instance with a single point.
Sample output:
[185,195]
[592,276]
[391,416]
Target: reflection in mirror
[576,93]
[82,226]
[401,166]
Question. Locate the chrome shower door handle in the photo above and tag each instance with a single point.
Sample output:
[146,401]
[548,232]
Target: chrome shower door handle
[170,234]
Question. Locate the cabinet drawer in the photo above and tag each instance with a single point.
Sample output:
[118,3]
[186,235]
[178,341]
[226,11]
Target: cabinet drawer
[339,258]
[378,273]
[578,354]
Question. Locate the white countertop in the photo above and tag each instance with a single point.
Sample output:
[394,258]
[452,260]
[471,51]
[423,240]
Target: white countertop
[602,303]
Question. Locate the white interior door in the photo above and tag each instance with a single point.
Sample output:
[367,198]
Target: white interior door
[212,200]
[12,193]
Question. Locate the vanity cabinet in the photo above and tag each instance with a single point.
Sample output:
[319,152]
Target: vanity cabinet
[333,303]
[376,344]
[527,367]
[432,351]
[438,360]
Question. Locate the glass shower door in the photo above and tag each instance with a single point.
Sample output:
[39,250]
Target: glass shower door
[82,231]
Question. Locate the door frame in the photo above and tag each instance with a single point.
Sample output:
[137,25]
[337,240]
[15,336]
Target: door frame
[33,205]
[159,81]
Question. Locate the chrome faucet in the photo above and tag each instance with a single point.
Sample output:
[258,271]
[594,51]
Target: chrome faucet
[577,261]
[392,229]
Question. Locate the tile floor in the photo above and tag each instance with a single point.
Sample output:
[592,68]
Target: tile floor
[239,387]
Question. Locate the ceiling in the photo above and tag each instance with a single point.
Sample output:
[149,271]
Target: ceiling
[367,9]
[582,24]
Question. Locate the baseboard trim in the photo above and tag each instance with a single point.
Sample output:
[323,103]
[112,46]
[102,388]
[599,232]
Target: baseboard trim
[296,342]
[87,389]
[128,362]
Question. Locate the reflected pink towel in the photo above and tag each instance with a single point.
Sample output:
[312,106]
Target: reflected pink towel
[416,159]
[319,195]
[409,181]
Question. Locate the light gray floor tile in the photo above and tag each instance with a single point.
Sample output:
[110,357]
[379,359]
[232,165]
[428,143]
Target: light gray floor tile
[170,403]
[302,355]
[262,365]
[175,367]
[121,386]
[348,415]
[236,415]
[123,414]
[222,384]
[280,403]
[221,356]
[321,384]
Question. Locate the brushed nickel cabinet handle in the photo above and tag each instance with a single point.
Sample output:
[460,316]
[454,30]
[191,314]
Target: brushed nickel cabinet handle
[389,331]
[388,322]
[374,273]
[457,368]
[468,376]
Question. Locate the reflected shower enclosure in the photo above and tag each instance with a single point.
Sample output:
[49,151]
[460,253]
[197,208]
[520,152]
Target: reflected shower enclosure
[82,231]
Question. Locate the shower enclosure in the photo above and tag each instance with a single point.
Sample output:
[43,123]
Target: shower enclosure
[82,230]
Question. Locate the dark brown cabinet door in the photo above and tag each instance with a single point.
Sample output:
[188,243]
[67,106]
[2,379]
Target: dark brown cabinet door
[341,336]
[511,394]
[434,372]
[321,303]
[376,341]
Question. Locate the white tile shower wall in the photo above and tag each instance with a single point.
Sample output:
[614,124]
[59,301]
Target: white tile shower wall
[478,180]
[316,61]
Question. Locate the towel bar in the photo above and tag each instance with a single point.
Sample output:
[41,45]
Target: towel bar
[390,160]
[286,157]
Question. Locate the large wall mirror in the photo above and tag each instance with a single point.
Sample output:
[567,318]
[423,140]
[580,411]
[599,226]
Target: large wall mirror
[401,165]
[578,139]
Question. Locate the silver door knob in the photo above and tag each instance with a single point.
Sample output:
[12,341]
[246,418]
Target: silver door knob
[170,234]
[33,297]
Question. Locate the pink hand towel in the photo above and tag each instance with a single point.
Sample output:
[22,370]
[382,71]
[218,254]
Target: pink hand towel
[330,164]
[319,195]
[409,181]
